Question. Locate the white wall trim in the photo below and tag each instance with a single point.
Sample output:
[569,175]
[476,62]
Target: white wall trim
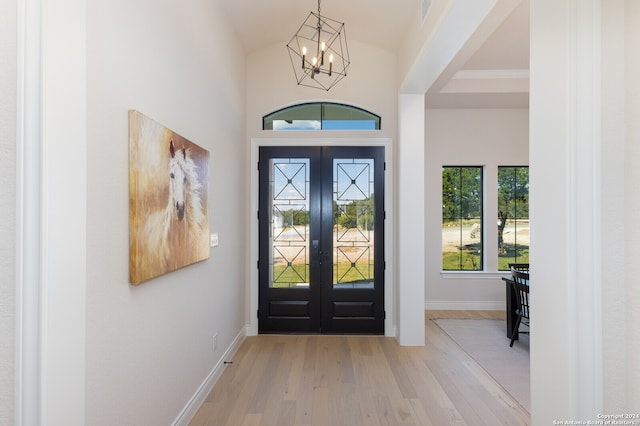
[411,243]
[252,284]
[585,237]
[64,212]
[482,275]
[28,215]
[198,398]
[566,114]
[464,305]
[461,19]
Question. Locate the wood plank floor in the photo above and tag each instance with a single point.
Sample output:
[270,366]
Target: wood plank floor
[278,380]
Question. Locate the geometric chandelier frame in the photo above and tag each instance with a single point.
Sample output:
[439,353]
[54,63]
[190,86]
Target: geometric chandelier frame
[319,53]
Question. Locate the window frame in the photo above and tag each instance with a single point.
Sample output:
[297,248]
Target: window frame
[322,106]
[498,256]
[460,218]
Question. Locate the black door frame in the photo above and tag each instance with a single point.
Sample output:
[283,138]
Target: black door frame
[352,310]
[250,286]
[349,299]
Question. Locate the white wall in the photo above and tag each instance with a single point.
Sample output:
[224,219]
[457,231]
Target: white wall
[271,85]
[620,206]
[411,222]
[469,137]
[632,205]
[8,109]
[613,204]
[150,347]
[584,153]
[63,232]
[370,84]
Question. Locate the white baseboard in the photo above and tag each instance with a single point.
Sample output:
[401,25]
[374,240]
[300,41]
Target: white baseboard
[453,305]
[196,401]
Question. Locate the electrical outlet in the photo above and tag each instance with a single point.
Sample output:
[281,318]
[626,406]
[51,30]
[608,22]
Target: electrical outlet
[215,342]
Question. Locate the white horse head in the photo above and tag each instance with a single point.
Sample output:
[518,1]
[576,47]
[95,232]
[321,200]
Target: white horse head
[179,181]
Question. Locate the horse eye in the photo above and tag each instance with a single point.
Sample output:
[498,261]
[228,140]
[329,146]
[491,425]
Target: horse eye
[185,179]
[172,175]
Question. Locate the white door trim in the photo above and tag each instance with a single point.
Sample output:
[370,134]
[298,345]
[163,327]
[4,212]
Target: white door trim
[29,272]
[252,282]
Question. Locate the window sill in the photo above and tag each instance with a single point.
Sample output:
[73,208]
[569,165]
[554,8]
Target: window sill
[474,275]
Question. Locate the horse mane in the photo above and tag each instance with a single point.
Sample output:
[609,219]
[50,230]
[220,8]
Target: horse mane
[170,243]
[195,214]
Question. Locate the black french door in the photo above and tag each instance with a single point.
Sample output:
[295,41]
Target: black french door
[321,255]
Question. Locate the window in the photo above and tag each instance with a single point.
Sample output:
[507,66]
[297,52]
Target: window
[321,116]
[513,216]
[462,219]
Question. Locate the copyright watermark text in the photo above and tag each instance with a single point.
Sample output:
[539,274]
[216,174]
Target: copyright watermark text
[630,419]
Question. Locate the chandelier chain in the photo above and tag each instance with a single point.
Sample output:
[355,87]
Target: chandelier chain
[319,25]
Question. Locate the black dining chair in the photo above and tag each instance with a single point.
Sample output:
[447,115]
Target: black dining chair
[523,267]
[521,288]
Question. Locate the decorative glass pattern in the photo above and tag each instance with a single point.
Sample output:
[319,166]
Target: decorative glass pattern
[289,218]
[353,223]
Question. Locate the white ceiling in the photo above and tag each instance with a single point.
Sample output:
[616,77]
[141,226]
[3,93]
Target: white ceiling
[491,72]
[265,22]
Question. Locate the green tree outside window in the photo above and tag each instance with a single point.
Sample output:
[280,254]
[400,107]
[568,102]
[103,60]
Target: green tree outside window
[513,216]
[462,241]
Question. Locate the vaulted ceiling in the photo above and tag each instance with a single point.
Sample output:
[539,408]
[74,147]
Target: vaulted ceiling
[491,71]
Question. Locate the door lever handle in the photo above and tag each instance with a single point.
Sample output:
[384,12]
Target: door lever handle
[316,252]
[327,256]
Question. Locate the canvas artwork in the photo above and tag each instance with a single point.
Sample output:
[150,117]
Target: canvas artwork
[168,215]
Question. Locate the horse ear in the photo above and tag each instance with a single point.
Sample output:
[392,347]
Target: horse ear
[172,150]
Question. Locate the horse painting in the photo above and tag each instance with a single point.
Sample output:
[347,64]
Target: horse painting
[169,224]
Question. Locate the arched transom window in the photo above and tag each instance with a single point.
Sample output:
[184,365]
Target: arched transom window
[321,116]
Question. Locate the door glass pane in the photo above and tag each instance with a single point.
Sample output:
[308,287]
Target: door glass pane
[353,223]
[289,218]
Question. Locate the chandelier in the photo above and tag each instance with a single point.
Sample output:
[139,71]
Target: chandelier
[318,52]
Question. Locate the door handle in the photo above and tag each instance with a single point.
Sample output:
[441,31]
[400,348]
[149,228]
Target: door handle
[327,256]
[315,252]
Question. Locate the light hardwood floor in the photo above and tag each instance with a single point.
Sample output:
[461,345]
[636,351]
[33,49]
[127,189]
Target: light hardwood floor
[278,380]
